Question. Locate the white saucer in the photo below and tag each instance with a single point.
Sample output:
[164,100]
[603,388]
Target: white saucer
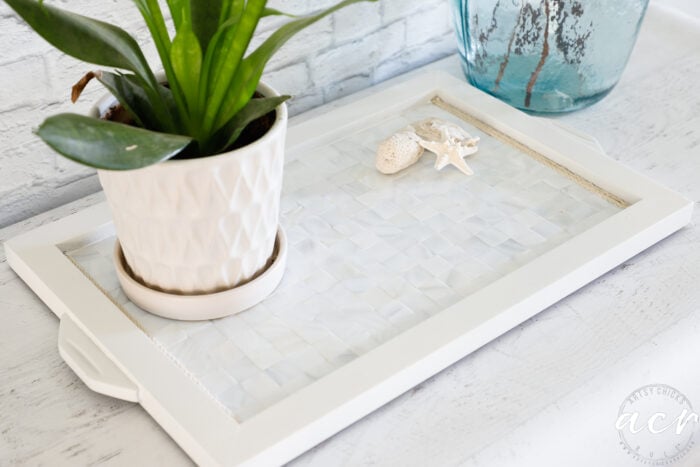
[204,306]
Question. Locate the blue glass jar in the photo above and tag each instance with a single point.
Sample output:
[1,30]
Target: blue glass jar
[546,56]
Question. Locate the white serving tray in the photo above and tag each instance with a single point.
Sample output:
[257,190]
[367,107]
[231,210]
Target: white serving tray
[390,279]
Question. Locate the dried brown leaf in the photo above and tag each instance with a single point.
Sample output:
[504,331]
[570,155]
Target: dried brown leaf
[78,87]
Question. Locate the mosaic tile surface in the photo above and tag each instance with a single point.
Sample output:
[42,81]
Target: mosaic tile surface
[370,256]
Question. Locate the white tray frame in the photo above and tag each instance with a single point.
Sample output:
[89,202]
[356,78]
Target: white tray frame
[113,356]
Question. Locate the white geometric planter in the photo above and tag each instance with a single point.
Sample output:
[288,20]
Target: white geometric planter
[204,225]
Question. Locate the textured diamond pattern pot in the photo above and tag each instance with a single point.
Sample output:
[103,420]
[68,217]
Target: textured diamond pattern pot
[202,225]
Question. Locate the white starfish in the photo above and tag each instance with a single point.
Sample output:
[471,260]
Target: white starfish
[450,143]
[449,154]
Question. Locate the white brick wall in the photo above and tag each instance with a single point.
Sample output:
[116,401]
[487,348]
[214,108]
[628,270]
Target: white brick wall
[356,47]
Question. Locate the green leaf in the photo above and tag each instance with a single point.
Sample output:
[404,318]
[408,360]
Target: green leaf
[273,12]
[186,60]
[231,10]
[205,19]
[94,42]
[108,145]
[225,64]
[132,97]
[84,38]
[180,11]
[248,74]
[153,16]
[254,109]
[223,35]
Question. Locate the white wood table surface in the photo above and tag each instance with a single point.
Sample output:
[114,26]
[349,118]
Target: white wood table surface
[546,393]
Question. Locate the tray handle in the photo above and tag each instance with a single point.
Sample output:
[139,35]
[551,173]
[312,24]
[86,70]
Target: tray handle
[91,365]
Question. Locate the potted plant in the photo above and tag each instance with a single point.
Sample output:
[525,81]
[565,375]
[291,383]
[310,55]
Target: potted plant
[191,164]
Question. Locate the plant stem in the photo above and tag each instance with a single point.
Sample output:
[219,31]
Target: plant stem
[543,57]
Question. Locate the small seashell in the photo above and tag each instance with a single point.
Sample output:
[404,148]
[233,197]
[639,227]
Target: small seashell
[398,151]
